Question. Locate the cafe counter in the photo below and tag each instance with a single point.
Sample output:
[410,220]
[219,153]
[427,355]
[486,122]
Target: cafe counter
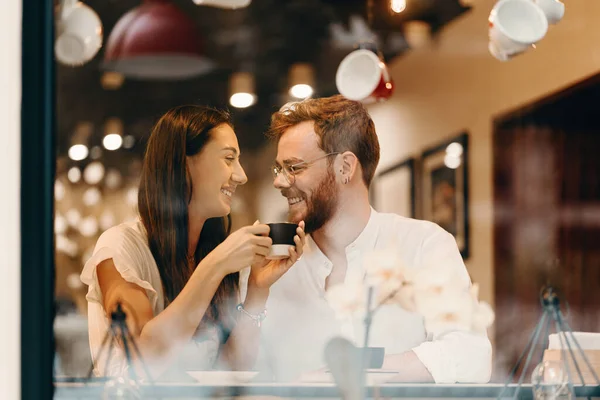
[95,390]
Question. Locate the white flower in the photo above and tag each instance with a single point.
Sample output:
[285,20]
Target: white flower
[474,290]
[347,299]
[393,293]
[437,291]
[440,294]
[452,310]
[386,273]
[437,280]
[483,317]
[405,297]
[447,307]
[383,266]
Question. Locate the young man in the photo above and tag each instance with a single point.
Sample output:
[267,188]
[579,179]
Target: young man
[327,153]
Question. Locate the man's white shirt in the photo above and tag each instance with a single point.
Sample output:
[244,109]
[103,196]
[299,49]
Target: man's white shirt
[300,321]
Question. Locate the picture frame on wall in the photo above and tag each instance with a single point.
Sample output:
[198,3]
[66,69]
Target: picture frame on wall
[394,189]
[444,188]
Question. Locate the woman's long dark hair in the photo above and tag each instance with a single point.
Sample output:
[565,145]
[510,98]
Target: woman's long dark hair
[164,194]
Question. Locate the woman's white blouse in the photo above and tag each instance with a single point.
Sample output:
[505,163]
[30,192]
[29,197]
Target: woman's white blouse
[126,244]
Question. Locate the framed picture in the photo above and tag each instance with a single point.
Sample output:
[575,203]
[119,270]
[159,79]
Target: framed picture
[394,189]
[445,186]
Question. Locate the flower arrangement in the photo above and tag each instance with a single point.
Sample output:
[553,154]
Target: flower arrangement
[439,294]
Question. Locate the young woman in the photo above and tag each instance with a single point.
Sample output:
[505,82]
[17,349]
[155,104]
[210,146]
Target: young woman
[175,270]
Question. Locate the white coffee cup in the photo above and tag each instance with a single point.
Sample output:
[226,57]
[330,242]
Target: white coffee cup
[514,26]
[554,10]
[78,33]
[363,76]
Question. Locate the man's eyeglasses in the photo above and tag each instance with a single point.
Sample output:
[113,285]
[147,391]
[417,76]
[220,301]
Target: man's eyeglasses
[290,171]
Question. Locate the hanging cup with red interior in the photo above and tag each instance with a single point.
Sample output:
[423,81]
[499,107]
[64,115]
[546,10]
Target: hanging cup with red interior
[363,76]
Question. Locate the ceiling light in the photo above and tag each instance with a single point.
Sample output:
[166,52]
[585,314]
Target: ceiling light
[113,179]
[73,217]
[241,89]
[79,141]
[232,4]
[301,91]
[112,141]
[241,100]
[59,190]
[132,196]
[112,80]
[96,152]
[67,246]
[78,152]
[91,197]
[60,224]
[128,141]
[88,226]
[454,149]
[74,175]
[93,173]
[156,40]
[113,131]
[452,161]
[301,80]
[417,34]
[398,6]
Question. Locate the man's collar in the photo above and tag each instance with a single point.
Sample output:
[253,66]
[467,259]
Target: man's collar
[365,240]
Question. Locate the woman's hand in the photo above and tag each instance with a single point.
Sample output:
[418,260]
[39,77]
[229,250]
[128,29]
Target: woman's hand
[247,246]
[266,272]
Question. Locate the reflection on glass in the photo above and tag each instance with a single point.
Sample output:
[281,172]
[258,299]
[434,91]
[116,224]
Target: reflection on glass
[549,381]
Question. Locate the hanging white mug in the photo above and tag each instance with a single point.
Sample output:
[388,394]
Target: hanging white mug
[515,25]
[363,76]
[554,10]
[497,53]
[78,33]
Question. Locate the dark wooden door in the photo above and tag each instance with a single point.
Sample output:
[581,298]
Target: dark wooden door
[546,217]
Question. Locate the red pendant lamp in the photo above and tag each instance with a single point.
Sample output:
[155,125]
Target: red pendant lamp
[156,41]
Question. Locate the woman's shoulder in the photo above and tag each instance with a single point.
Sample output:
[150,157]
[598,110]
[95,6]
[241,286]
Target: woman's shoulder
[127,231]
[126,245]
[126,239]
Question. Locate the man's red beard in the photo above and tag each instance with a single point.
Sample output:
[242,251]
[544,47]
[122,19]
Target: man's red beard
[321,205]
